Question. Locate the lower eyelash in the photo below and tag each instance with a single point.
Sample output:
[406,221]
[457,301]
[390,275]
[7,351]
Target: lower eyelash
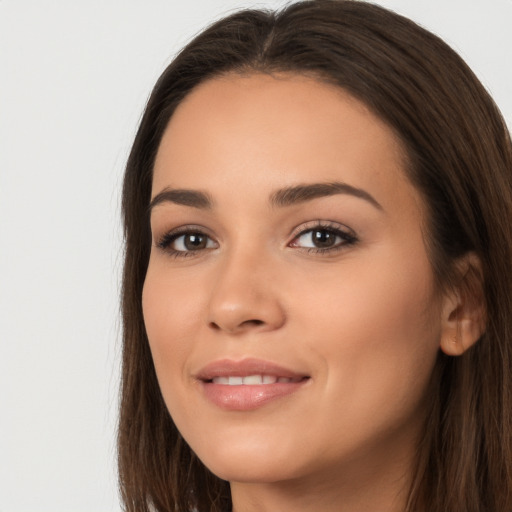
[349,239]
[166,240]
[320,250]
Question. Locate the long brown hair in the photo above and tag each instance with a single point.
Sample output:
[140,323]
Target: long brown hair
[459,156]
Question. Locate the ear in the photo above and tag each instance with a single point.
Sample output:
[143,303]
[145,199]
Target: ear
[463,309]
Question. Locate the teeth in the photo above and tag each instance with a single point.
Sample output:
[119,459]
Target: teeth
[253,380]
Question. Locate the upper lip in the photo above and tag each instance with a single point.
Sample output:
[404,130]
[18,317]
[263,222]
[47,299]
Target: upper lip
[244,368]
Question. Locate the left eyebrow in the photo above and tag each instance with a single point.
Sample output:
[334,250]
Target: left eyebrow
[301,193]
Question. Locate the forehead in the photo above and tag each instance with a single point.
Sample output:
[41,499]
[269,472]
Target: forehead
[258,132]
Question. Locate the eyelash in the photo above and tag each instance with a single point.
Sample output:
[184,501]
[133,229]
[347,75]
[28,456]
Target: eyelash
[348,238]
[167,239]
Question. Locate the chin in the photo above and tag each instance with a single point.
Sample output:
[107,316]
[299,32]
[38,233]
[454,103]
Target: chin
[249,471]
[249,462]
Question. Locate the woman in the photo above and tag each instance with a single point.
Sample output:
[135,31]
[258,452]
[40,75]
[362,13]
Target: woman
[317,285]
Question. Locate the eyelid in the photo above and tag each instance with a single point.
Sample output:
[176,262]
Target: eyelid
[163,241]
[322,224]
[346,235]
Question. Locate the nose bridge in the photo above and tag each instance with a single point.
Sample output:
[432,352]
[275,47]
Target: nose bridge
[243,296]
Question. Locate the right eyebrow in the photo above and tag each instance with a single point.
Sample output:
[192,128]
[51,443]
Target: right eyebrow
[185,197]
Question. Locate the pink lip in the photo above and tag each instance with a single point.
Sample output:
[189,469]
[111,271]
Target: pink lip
[246,397]
[243,368]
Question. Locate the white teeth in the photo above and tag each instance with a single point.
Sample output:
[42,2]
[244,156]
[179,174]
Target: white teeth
[253,380]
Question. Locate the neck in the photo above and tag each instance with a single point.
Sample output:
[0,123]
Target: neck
[387,495]
[361,485]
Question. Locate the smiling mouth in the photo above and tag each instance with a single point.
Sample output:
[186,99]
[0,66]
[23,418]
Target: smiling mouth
[248,384]
[254,380]
[248,372]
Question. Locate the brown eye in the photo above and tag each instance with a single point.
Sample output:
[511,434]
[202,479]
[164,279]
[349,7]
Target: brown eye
[186,242]
[319,239]
[194,241]
[323,239]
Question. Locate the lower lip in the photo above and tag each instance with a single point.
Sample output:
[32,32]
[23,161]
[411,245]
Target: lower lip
[248,397]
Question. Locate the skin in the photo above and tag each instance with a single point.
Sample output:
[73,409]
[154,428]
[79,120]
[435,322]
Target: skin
[363,320]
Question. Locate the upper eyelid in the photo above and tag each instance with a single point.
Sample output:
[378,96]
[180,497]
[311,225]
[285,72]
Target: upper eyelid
[321,224]
[167,238]
[181,230]
[177,236]
[299,230]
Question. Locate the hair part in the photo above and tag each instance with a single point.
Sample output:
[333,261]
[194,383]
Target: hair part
[459,156]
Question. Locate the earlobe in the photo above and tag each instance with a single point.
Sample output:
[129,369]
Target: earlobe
[463,310]
[460,334]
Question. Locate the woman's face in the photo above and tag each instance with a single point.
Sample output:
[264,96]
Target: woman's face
[289,302]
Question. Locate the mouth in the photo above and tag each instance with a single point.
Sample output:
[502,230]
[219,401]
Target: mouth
[248,372]
[253,380]
[248,384]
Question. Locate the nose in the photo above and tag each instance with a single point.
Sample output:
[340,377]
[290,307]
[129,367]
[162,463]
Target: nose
[245,296]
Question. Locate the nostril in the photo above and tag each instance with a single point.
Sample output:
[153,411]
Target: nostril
[253,322]
[239,326]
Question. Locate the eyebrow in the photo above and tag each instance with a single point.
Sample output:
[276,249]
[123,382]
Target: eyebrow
[281,198]
[193,198]
[302,193]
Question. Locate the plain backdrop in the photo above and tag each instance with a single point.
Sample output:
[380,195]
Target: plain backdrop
[74,78]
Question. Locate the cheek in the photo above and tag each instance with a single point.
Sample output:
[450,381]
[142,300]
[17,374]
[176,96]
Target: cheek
[377,329]
[170,309]
[385,293]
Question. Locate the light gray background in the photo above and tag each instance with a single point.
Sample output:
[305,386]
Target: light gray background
[74,77]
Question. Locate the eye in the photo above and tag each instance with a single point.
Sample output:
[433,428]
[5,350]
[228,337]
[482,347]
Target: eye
[183,243]
[322,238]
